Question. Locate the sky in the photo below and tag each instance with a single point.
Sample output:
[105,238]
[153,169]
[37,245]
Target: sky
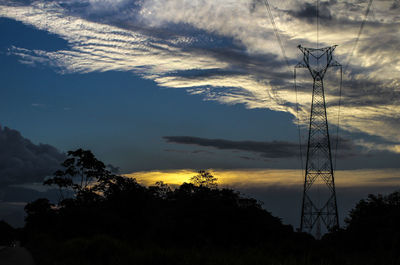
[162,88]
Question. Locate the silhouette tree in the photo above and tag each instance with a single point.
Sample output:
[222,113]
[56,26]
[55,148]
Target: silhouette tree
[83,173]
[375,222]
[160,190]
[63,183]
[40,215]
[204,179]
[192,218]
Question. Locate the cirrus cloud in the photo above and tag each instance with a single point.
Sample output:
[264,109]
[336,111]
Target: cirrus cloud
[226,51]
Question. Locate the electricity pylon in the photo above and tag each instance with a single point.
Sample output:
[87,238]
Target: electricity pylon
[319,195]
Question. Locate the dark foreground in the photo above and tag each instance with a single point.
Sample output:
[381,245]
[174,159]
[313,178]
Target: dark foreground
[15,256]
[111,219]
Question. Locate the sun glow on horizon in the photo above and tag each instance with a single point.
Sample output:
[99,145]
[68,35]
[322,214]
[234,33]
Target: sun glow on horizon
[270,177]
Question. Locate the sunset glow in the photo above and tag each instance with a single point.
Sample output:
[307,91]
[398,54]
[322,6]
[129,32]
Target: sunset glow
[271,177]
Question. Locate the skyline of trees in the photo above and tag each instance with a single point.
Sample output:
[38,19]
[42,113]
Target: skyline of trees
[112,217]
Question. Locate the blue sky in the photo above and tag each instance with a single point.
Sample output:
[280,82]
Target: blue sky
[119,114]
[153,85]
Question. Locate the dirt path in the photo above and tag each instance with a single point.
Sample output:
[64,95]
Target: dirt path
[15,256]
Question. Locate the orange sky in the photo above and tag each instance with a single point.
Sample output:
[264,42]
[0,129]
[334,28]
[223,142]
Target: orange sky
[272,177]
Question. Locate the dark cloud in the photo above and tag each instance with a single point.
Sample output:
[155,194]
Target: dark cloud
[395,5]
[274,149]
[202,152]
[21,161]
[308,12]
[251,158]
[176,151]
[23,166]
[188,152]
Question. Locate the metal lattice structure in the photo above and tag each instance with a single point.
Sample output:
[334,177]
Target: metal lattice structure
[319,205]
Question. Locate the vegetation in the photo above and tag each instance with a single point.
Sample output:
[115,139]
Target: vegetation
[111,219]
[372,232]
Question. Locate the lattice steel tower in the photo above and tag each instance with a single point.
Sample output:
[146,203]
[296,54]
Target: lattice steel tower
[319,196]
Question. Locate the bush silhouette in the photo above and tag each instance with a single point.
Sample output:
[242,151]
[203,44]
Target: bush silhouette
[375,222]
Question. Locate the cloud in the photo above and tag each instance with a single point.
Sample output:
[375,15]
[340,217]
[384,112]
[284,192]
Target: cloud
[395,5]
[226,51]
[309,11]
[107,5]
[274,149]
[21,161]
[38,105]
[188,152]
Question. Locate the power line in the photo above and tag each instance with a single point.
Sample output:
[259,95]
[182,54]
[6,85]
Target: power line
[317,24]
[278,38]
[277,33]
[358,35]
[341,76]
